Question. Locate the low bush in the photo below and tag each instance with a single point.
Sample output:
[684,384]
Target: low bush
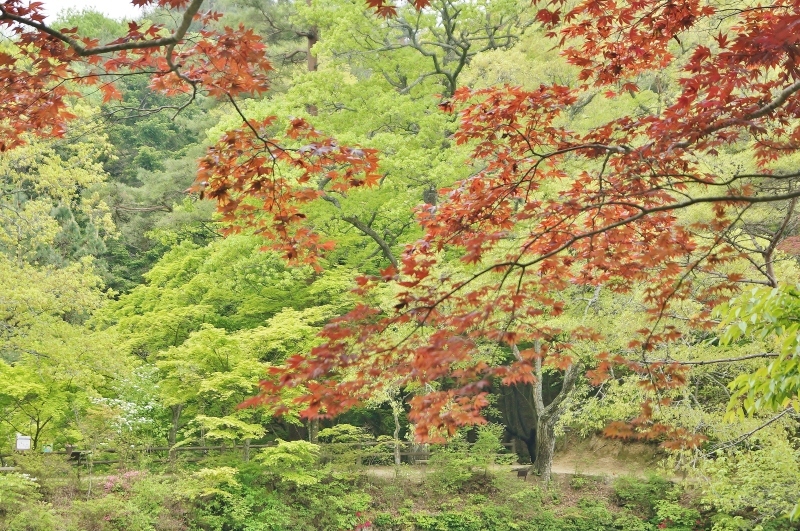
[675,517]
[640,495]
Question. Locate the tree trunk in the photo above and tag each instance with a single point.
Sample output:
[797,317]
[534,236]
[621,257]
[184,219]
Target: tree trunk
[547,418]
[176,417]
[547,415]
[313,430]
[519,417]
[311,39]
[545,446]
[173,430]
[246,450]
[396,415]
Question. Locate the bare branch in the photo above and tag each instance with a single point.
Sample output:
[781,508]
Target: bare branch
[749,434]
[714,361]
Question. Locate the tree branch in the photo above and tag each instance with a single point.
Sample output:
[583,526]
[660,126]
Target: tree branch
[715,361]
[749,434]
[779,100]
[82,51]
[369,231]
[156,208]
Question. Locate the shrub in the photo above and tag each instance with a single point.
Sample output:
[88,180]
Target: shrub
[577,482]
[626,521]
[35,517]
[347,445]
[122,482]
[157,497]
[344,433]
[451,467]
[488,448]
[454,466]
[726,522]
[762,483]
[294,462]
[590,515]
[672,516]
[530,498]
[50,472]
[110,513]
[640,495]
[16,491]
[385,522]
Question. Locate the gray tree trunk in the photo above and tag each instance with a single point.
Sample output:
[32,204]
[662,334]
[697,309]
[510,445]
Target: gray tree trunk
[396,415]
[173,430]
[246,450]
[313,430]
[545,446]
[547,416]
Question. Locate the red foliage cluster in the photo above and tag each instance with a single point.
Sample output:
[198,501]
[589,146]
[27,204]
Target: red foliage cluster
[613,223]
[260,184]
[47,66]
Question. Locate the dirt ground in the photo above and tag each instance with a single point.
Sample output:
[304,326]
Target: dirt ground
[591,457]
[599,456]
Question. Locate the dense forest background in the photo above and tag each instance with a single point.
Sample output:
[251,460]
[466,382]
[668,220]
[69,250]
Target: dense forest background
[127,321]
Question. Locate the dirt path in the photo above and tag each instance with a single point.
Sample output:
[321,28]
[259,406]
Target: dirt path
[606,457]
[592,457]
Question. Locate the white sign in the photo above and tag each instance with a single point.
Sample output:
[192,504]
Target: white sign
[23,442]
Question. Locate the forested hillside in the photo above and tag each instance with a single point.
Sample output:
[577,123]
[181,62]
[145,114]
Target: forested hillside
[350,265]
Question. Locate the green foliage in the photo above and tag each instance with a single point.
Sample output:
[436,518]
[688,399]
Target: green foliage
[344,433]
[208,319]
[589,515]
[470,520]
[507,515]
[208,483]
[15,491]
[295,462]
[92,24]
[284,489]
[764,480]
[110,513]
[52,213]
[451,467]
[349,446]
[628,521]
[579,482]
[640,495]
[50,365]
[766,314]
[488,448]
[34,517]
[458,465]
[671,515]
[231,285]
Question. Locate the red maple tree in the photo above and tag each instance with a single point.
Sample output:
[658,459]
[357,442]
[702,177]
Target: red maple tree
[613,223]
